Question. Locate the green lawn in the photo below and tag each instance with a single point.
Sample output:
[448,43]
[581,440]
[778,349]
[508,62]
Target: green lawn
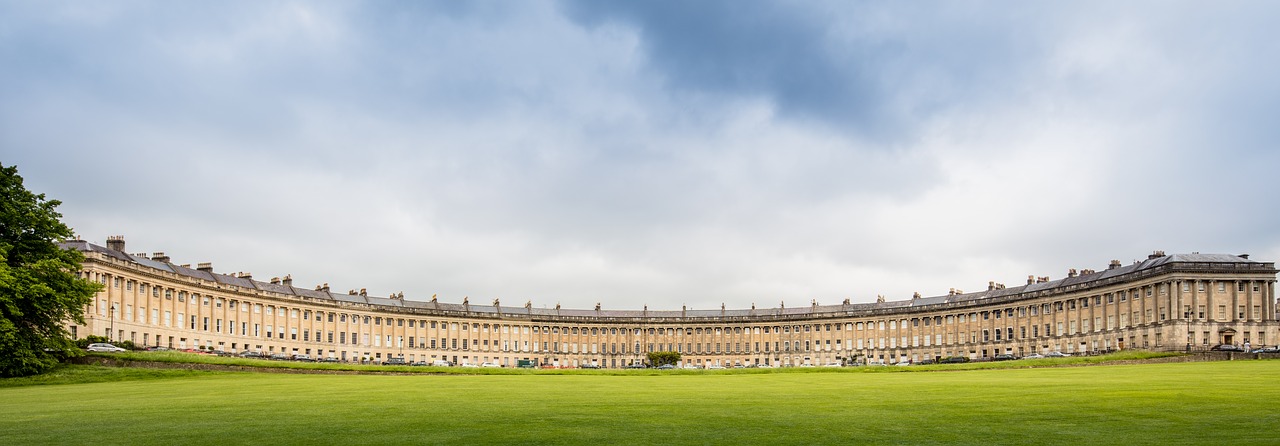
[1233,403]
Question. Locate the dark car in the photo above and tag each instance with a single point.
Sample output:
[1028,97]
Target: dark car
[395,361]
[280,357]
[250,354]
[953,360]
[666,367]
[1003,357]
[1227,348]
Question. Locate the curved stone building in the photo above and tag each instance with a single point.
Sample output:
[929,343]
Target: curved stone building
[1166,302]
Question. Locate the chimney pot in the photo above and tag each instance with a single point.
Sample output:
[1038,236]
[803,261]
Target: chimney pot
[115,243]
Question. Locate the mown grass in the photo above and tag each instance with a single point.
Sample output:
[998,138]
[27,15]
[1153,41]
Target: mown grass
[80,374]
[1177,403]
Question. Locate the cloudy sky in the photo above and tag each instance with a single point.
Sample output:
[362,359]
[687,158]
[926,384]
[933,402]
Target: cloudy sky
[650,153]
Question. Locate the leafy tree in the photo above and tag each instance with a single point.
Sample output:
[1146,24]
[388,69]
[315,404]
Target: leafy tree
[662,358]
[39,287]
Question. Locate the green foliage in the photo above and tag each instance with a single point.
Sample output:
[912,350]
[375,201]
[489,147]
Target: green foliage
[663,358]
[39,286]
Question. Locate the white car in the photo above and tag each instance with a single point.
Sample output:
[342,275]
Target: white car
[490,364]
[690,367]
[102,347]
[469,365]
[833,364]
[1034,356]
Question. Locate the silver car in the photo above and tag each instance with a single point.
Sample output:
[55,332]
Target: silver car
[103,347]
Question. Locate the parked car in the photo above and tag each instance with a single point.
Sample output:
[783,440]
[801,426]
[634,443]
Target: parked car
[954,360]
[1056,354]
[395,361]
[157,349]
[329,359]
[104,347]
[1034,356]
[833,364]
[490,364]
[279,357]
[590,366]
[302,357]
[1266,350]
[715,367]
[666,367]
[442,363]
[469,365]
[1227,348]
[250,354]
[1003,357]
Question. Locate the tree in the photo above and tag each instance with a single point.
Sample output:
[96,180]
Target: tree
[39,286]
[662,358]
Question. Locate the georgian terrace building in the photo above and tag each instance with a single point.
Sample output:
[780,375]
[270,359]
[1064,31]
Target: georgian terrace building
[1166,302]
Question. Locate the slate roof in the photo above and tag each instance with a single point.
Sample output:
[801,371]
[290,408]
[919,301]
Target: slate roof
[800,310]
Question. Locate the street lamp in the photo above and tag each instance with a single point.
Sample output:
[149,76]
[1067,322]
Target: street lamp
[112,331]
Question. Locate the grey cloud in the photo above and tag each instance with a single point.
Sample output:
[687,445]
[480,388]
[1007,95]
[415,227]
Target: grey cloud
[665,154]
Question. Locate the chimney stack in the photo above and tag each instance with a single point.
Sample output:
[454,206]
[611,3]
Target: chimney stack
[206,267]
[275,280]
[1031,279]
[115,243]
[288,280]
[1071,272]
[1155,255]
[160,257]
[1114,264]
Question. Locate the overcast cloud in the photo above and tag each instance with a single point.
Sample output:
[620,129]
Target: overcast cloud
[650,153]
